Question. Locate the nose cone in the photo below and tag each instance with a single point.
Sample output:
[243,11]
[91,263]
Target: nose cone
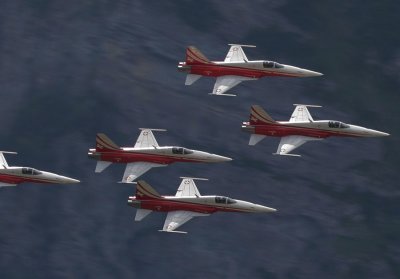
[264,209]
[380,134]
[67,180]
[371,133]
[308,73]
[218,159]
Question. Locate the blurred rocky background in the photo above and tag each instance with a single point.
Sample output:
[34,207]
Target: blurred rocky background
[70,69]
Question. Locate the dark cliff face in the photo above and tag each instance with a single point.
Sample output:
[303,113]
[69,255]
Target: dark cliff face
[71,69]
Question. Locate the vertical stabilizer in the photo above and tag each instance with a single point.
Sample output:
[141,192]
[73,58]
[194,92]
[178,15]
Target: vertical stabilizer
[195,57]
[104,143]
[260,116]
[145,191]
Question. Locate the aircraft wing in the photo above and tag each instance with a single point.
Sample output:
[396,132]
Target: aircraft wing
[3,162]
[134,170]
[175,219]
[146,139]
[2,184]
[187,189]
[301,114]
[236,54]
[290,143]
[224,83]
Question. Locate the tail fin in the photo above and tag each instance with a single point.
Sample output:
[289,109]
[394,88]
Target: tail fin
[195,57]
[260,116]
[104,144]
[145,191]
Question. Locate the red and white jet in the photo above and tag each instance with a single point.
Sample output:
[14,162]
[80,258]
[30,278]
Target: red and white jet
[300,128]
[186,204]
[234,69]
[146,154]
[11,176]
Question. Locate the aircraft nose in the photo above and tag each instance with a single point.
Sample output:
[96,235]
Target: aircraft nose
[381,134]
[267,209]
[261,208]
[308,73]
[218,158]
[374,133]
[67,180]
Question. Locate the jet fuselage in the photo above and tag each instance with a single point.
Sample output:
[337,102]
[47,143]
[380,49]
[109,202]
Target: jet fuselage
[159,155]
[16,175]
[200,204]
[250,69]
[317,129]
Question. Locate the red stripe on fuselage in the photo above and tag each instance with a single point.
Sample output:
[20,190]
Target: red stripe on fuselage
[215,70]
[281,130]
[120,156]
[166,205]
[15,179]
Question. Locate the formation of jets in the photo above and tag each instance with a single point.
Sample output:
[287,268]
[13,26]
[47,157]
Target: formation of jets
[146,153]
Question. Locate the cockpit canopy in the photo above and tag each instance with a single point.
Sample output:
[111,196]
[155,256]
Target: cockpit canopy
[224,200]
[272,64]
[338,124]
[30,171]
[181,150]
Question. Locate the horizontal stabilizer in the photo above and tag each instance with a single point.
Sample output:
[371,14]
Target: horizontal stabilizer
[101,165]
[141,214]
[254,139]
[190,79]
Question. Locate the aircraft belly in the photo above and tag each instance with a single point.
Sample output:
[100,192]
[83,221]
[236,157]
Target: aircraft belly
[131,157]
[16,179]
[12,179]
[216,71]
[283,131]
[167,205]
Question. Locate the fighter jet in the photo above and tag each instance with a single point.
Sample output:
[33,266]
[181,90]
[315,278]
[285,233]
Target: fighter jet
[11,176]
[146,154]
[186,204]
[300,128]
[234,69]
